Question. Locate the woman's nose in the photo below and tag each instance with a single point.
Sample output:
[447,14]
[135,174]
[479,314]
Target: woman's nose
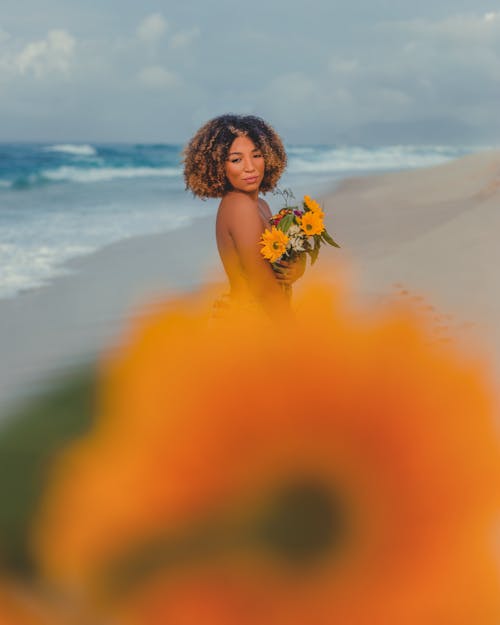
[248,163]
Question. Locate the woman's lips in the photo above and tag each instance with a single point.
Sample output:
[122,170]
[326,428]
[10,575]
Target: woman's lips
[252,179]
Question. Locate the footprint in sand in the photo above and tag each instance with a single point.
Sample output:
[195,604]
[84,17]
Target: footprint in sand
[441,328]
[489,190]
[467,325]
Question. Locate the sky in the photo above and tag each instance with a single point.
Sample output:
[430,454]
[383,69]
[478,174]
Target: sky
[322,71]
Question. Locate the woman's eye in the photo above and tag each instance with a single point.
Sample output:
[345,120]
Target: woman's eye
[235,160]
[257,155]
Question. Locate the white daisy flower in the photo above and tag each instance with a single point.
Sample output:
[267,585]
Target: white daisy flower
[297,244]
[294,230]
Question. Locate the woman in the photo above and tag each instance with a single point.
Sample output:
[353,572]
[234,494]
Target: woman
[235,157]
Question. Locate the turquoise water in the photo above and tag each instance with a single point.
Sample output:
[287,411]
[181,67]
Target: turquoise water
[58,201]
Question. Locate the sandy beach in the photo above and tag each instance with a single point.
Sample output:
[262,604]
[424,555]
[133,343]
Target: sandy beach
[429,234]
[46,330]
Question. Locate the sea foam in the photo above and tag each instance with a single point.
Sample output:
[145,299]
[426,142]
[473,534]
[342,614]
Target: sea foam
[71,148]
[103,174]
[351,159]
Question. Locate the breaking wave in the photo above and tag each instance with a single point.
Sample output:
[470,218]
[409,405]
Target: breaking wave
[73,149]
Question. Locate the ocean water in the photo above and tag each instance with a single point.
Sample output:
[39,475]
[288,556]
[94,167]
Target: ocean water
[58,201]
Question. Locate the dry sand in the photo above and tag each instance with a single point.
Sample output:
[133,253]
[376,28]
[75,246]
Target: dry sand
[430,235]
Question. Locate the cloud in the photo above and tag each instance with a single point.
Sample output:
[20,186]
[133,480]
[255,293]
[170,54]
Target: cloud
[390,63]
[152,28]
[464,28]
[339,65]
[54,54]
[157,77]
[184,38]
[290,97]
[4,35]
[491,17]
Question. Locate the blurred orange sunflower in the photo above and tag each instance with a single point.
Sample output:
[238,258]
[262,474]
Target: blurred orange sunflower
[208,494]
[18,606]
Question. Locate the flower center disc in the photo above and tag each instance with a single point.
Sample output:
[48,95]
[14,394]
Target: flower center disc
[304,522]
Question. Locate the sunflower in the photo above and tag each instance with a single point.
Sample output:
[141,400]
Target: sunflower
[273,243]
[311,223]
[370,499]
[313,206]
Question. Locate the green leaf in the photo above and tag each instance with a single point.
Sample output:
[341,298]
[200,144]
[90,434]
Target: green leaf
[286,222]
[314,254]
[328,239]
[32,435]
[315,251]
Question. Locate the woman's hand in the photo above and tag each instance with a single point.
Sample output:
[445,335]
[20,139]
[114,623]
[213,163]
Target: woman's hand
[288,271]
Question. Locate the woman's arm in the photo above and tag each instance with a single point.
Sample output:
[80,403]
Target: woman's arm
[245,227]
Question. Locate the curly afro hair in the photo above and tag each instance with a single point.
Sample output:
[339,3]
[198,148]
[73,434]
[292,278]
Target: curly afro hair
[205,155]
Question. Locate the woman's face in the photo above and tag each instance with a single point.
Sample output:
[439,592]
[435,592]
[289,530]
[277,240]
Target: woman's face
[245,165]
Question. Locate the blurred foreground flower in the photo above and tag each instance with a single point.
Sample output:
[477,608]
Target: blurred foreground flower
[362,489]
[18,606]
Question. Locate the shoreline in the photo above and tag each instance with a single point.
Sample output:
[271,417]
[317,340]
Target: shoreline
[67,267]
[49,329]
[81,262]
[429,232]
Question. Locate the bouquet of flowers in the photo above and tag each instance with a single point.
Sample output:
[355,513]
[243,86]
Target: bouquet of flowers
[295,231]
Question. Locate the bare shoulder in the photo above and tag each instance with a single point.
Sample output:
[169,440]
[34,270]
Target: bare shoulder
[265,207]
[238,206]
[237,200]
